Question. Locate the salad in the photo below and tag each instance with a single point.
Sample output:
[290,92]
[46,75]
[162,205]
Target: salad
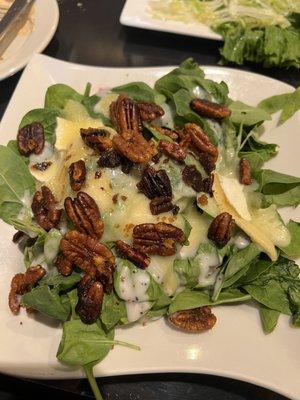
[148,203]
[260,31]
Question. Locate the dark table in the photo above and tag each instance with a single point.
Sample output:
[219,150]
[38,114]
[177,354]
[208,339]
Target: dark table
[89,32]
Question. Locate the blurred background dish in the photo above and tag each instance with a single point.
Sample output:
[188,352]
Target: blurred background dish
[32,38]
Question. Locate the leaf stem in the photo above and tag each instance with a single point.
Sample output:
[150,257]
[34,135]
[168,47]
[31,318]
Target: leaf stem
[92,381]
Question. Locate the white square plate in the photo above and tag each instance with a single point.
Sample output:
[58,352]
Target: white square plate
[236,347]
[135,14]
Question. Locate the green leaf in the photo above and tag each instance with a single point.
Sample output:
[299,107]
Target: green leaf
[34,250]
[47,117]
[188,299]
[15,181]
[257,269]
[187,227]
[13,146]
[293,249]
[51,245]
[82,344]
[113,310]
[48,302]
[140,91]
[57,96]
[241,113]
[269,318]
[28,227]
[156,134]
[294,297]
[258,152]
[88,369]
[278,188]
[60,282]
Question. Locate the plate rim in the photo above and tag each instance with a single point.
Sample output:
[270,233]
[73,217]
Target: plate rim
[18,65]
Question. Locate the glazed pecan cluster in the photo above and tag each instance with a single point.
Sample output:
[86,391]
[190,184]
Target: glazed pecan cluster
[77,174]
[96,138]
[30,139]
[195,320]
[44,208]
[90,297]
[245,172]
[209,109]
[221,228]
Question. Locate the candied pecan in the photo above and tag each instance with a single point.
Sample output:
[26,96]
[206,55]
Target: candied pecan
[149,111]
[207,185]
[159,238]
[207,162]
[96,138]
[200,140]
[44,209]
[42,166]
[77,174]
[136,256]
[160,205]
[23,283]
[63,265]
[85,215]
[90,298]
[194,320]
[209,109]
[132,145]
[31,139]
[245,171]
[220,229]
[125,115]
[167,132]
[192,177]
[172,150]
[155,183]
[91,256]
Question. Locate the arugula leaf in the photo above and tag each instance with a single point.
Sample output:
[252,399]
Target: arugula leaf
[82,344]
[140,91]
[113,311]
[278,188]
[48,302]
[269,318]
[57,96]
[293,249]
[241,113]
[47,117]
[15,181]
[258,152]
[188,299]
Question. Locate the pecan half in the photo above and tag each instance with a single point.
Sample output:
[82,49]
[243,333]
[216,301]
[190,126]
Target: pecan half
[200,140]
[91,256]
[160,238]
[155,183]
[194,320]
[245,171]
[96,138]
[90,298]
[220,229]
[44,209]
[77,174]
[172,150]
[31,139]
[125,115]
[85,215]
[209,109]
[132,145]
[207,162]
[192,177]
[136,256]
[160,205]
[23,283]
[149,111]
[63,265]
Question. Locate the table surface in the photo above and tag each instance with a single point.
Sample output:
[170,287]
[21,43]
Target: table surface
[89,32]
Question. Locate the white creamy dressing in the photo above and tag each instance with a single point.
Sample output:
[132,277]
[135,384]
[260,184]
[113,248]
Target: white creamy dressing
[45,155]
[241,241]
[208,268]
[167,120]
[199,92]
[133,288]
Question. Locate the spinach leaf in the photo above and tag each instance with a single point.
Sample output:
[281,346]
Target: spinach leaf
[289,103]
[241,113]
[82,344]
[73,298]
[239,263]
[57,96]
[198,298]
[59,282]
[15,181]
[258,267]
[48,302]
[51,245]
[28,227]
[258,152]
[269,318]
[294,297]
[13,146]
[113,311]
[278,188]
[140,91]
[47,117]
[293,249]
